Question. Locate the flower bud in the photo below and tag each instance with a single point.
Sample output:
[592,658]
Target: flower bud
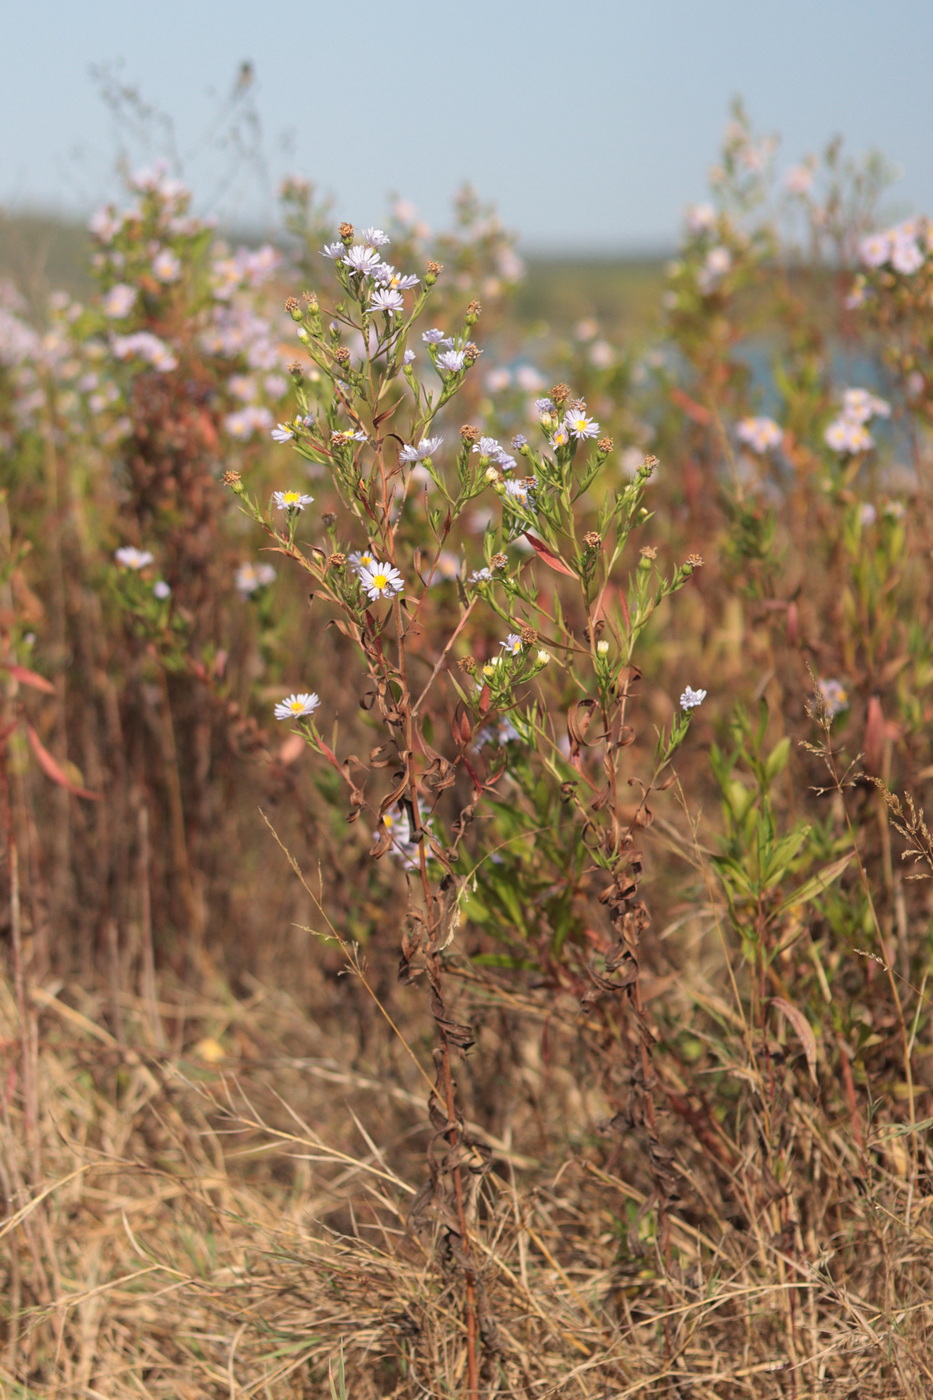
[293,307]
[602,648]
[543,657]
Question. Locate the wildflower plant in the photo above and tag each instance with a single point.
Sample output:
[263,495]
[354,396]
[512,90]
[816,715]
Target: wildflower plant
[527,686]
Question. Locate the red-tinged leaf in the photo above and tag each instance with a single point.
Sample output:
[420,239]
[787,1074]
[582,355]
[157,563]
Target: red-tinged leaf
[548,555]
[292,749]
[52,769]
[485,700]
[27,677]
[693,410]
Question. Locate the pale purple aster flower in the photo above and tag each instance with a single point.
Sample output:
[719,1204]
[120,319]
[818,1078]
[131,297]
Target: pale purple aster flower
[432,337]
[543,406]
[760,434]
[132,558]
[297,706]
[119,301]
[408,358]
[387,301]
[906,256]
[362,259]
[374,237]
[291,501]
[381,580]
[480,576]
[251,577]
[506,462]
[386,274]
[105,224]
[361,559]
[875,250]
[512,644]
[867,514]
[161,590]
[521,492]
[426,448]
[166,265]
[846,435]
[577,423]
[519,441]
[859,405]
[333,250]
[701,218]
[451,360]
[692,698]
[282,433]
[487,447]
[834,696]
[560,438]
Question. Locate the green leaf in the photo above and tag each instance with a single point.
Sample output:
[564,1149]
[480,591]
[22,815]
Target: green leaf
[809,890]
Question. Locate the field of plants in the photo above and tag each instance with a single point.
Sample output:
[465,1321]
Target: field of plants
[464,738]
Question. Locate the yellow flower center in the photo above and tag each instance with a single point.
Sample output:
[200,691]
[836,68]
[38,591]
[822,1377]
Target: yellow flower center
[297,706]
[291,497]
[380,581]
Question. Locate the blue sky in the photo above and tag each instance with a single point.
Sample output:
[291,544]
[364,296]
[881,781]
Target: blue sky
[589,125]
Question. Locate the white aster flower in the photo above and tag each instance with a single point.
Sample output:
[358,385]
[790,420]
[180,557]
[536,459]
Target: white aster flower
[859,405]
[433,336]
[875,250]
[291,501]
[579,425]
[845,435]
[361,559]
[251,577]
[162,590]
[426,448]
[132,558]
[906,256]
[297,706]
[381,580]
[451,360]
[521,492]
[333,250]
[119,301]
[512,644]
[166,265]
[362,259]
[408,358]
[834,696]
[760,434]
[387,301]
[374,237]
[282,433]
[387,276]
[692,698]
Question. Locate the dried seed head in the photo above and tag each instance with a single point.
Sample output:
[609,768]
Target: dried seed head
[435,269]
[310,301]
[296,369]
[231,478]
[338,560]
[470,434]
[499,561]
[468,664]
[346,232]
[471,353]
[339,439]
[576,406]
[474,308]
[328,519]
[342,355]
[293,307]
[592,539]
[529,636]
[648,551]
[695,561]
[560,393]
[604,444]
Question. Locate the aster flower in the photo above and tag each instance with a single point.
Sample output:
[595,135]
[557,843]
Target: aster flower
[906,256]
[512,644]
[577,423]
[162,590]
[291,501]
[119,301]
[560,438]
[387,301]
[132,558]
[297,706]
[519,441]
[361,559]
[433,336]
[834,696]
[426,448]
[451,360]
[875,250]
[374,237]
[859,405]
[692,698]
[166,266]
[760,434]
[408,358]
[845,435]
[381,580]
[521,492]
[488,447]
[362,259]
[480,576]
[386,274]
[282,433]
[333,250]
[501,733]
[543,406]
[251,577]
